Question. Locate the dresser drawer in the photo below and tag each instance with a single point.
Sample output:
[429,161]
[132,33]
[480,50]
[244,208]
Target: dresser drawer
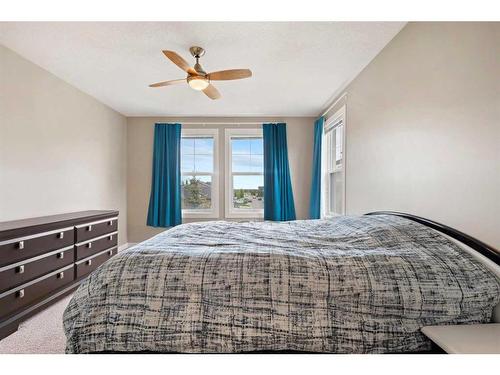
[27,270]
[87,231]
[26,294]
[86,266]
[15,250]
[95,245]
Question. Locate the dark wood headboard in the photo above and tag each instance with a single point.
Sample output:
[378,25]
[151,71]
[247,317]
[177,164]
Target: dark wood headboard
[488,251]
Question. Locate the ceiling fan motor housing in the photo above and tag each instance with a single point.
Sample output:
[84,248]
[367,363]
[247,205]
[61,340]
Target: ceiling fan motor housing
[196,51]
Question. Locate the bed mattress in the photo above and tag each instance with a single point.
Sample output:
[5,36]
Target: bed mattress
[345,285]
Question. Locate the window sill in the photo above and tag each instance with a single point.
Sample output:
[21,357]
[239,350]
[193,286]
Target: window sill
[200,215]
[331,216]
[245,215]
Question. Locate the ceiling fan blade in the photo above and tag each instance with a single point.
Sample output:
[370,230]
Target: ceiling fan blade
[179,61]
[225,75]
[167,83]
[212,92]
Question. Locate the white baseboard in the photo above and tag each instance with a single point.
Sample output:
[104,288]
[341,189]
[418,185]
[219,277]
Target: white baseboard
[126,246]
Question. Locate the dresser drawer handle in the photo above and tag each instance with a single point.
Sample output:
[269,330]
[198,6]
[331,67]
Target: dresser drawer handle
[110,222]
[110,238]
[20,245]
[89,245]
[60,235]
[20,269]
[60,275]
[88,262]
[60,255]
[110,252]
[89,228]
[20,294]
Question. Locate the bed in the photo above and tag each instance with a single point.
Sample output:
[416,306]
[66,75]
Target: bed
[352,284]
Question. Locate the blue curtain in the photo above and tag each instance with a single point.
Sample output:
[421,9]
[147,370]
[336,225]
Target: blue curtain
[315,203]
[278,195]
[165,200]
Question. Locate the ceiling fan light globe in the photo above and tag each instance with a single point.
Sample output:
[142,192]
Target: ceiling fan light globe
[198,83]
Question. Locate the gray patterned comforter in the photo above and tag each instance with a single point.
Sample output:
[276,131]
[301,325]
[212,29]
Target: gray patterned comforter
[347,285]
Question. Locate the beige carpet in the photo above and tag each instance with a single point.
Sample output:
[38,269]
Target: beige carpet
[42,333]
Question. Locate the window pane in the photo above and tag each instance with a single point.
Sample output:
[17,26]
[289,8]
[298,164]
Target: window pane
[336,198]
[204,163]
[338,145]
[257,146]
[241,163]
[204,146]
[257,163]
[248,192]
[240,145]
[196,192]
[197,154]
[187,145]
[330,147]
[187,163]
[247,155]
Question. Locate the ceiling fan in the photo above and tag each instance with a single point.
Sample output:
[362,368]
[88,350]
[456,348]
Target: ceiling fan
[197,78]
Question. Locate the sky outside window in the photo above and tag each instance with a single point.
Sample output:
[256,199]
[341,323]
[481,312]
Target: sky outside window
[247,156]
[197,155]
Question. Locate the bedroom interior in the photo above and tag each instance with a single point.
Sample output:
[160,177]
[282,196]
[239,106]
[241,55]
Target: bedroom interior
[318,187]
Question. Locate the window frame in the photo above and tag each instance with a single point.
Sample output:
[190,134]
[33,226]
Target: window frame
[204,213]
[332,122]
[230,211]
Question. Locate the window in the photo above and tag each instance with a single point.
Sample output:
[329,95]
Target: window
[199,173]
[333,165]
[244,173]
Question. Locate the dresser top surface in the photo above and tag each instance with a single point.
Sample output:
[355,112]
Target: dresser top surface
[7,227]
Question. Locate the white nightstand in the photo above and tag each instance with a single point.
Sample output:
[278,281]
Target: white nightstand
[466,339]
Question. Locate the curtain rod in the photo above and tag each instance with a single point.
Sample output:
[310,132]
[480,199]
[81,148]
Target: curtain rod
[334,103]
[226,123]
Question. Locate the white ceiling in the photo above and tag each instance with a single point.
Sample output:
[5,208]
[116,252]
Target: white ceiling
[297,66]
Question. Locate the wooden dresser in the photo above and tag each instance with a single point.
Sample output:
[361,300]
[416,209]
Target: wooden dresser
[43,259]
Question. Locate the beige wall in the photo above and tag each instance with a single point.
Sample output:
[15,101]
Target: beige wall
[423,128]
[60,149]
[140,153]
